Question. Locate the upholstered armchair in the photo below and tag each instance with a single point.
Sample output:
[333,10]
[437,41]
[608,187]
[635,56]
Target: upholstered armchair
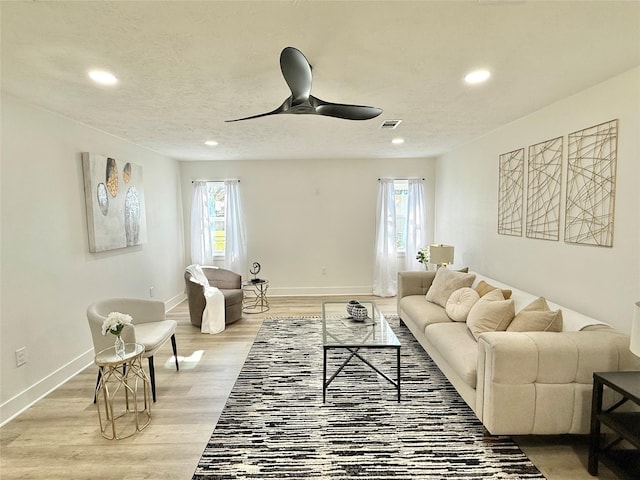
[150,328]
[228,282]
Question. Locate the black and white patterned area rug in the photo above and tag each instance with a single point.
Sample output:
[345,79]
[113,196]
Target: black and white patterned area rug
[275,426]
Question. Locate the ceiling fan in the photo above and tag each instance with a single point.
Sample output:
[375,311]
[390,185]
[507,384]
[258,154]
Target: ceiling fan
[297,73]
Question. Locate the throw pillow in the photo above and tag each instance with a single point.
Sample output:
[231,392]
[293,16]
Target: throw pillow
[492,313]
[537,317]
[483,288]
[445,283]
[460,302]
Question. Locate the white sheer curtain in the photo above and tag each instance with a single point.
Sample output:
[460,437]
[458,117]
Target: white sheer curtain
[235,244]
[201,246]
[416,234]
[385,281]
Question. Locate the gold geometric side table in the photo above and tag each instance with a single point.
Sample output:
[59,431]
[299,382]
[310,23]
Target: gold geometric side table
[122,411]
[254,296]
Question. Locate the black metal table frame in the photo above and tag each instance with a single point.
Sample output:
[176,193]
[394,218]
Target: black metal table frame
[354,349]
[596,451]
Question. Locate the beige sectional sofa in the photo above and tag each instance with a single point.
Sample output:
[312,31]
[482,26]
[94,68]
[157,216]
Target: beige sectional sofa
[516,382]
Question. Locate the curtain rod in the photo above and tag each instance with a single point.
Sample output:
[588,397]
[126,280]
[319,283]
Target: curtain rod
[228,180]
[410,178]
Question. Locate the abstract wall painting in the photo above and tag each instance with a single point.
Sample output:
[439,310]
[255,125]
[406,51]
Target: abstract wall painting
[510,193]
[544,182]
[591,181]
[114,196]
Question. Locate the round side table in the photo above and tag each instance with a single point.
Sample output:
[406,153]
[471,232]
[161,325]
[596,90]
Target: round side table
[254,296]
[122,411]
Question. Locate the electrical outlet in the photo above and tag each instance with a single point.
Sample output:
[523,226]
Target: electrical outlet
[21,356]
[324,270]
[151,292]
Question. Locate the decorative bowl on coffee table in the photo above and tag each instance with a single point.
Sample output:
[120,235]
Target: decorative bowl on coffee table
[359,313]
[350,305]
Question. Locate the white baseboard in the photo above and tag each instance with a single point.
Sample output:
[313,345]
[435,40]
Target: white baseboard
[176,300]
[19,403]
[318,291]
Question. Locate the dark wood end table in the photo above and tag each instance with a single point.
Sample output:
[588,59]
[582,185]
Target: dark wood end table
[624,462]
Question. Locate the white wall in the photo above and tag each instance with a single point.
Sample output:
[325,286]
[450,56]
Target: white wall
[48,275]
[302,216]
[600,282]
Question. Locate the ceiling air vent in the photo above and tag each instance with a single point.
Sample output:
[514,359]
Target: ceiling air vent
[390,124]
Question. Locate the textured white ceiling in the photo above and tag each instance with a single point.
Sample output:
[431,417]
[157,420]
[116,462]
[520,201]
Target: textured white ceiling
[185,67]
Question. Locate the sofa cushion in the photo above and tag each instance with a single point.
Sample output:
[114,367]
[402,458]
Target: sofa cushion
[520,298]
[537,317]
[445,283]
[456,344]
[460,302]
[421,312]
[483,288]
[153,334]
[492,313]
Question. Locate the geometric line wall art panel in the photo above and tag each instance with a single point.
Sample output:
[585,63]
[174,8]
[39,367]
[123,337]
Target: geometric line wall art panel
[544,182]
[114,195]
[510,193]
[591,182]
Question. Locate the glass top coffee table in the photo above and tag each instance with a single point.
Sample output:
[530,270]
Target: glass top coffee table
[341,332]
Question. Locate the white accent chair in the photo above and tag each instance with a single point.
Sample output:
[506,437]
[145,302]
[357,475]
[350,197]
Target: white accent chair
[150,328]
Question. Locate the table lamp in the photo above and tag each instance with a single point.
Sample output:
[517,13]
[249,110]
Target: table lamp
[441,255]
[635,331]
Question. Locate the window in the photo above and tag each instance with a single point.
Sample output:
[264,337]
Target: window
[217,225]
[401,192]
[400,231]
[217,207]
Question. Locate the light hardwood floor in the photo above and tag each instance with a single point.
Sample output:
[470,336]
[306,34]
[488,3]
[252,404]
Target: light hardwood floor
[59,438]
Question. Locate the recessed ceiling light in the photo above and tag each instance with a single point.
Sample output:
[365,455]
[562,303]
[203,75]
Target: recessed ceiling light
[105,78]
[397,141]
[477,76]
[211,143]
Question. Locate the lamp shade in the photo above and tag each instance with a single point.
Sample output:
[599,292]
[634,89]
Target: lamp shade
[635,331]
[441,254]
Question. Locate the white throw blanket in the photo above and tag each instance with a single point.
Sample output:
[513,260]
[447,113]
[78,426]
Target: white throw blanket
[213,315]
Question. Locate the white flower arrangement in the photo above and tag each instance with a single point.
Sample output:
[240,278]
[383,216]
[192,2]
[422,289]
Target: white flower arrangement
[423,255]
[115,322]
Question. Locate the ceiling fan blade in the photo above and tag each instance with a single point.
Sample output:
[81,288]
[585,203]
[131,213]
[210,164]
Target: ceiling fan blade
[341,110]
[252,116]
[297,73]
[281,109]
